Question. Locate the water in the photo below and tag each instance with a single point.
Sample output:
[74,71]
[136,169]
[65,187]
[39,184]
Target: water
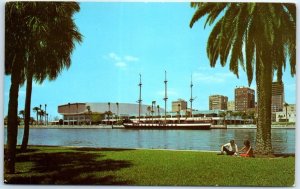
[283,140]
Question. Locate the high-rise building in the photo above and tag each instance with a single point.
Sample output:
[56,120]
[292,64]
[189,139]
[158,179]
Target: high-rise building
[244,99]
[218,102]
[179,105]
[277,96]
[231,105]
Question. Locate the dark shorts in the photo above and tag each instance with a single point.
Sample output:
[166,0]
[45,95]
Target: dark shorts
[228,152]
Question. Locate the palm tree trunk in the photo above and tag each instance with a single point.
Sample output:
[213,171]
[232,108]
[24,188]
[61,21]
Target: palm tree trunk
[27,112]
[37,117]
[12,124]
[264,94]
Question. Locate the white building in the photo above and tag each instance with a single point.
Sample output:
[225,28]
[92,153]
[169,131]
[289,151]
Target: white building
[291,114]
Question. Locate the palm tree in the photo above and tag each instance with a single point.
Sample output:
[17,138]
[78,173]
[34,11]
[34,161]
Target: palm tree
[45,114]
[117,110]
[223,115]
[89,112]
[108,115]
[149,110]
[53,60]
[36,109]
[35,50]
[286,115]
[21,112]
[14,63]
[264,34]
[158,111]
[41,113]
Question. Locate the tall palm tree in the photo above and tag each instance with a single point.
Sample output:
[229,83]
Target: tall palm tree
[37,46]
[14,64]
[286,114]
[149,110]
[48,53]
[36,110]
[264,34]
[89,112]
[108,115]
[45,114]
[117,110]
[21,112]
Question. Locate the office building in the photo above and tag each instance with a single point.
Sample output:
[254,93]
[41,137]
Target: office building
[277,96]
[244,99]
[231,105]
[179,105]
[218,102]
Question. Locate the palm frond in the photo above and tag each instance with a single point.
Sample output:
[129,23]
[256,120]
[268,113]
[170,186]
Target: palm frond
[202,10]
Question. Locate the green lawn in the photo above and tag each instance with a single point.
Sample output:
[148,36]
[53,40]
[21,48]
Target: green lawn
[67,165]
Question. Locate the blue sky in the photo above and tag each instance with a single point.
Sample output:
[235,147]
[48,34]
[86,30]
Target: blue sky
[122,40]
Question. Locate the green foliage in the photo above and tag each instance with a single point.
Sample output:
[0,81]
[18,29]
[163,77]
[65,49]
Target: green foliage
[246,29]
[97,117]
[67,165]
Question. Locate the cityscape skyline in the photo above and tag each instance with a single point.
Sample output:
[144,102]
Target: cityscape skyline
[123,40]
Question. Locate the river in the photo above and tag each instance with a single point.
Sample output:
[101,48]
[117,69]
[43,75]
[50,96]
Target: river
[283,140]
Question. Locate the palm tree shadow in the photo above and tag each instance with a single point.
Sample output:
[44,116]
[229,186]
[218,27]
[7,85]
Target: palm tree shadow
[69,168]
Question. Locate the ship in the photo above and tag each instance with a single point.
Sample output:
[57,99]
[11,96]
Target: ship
[165,122]
[190,123]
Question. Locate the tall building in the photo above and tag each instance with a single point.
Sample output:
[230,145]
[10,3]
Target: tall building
[231,105]
[244,99]
[277,96]
[218,102]
[179,105]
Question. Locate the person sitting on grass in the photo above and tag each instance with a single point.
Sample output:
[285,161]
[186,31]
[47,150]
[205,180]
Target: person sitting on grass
[230,148]
[247,150]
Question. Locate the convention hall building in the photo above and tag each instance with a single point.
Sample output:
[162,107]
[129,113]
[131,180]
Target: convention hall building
[83,113]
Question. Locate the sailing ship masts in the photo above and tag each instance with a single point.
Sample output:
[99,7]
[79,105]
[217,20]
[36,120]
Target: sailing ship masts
[140,97]
[166,96]
[191,100]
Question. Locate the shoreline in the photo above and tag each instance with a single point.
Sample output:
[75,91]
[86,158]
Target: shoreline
[122,127]
[150,149]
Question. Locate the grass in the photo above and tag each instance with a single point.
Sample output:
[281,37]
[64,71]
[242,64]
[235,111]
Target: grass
[68,165]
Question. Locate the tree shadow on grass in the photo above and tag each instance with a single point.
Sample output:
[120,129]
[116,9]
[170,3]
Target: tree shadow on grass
[87,149]
[69,168]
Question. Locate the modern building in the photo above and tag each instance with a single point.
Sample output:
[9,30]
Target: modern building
[277,96]
[179,105]
[244,99]
[287,115]
[81,113]
[231,105]
[218,102]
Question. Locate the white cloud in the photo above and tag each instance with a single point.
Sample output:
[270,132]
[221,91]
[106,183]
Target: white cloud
[114,56]
[121,61]
[213,77]
[131,58]
[121,64]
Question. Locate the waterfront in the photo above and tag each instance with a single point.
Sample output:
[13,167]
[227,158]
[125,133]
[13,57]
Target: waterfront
[283,140]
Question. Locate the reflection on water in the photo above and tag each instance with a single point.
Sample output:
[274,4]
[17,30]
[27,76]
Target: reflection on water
[283,140]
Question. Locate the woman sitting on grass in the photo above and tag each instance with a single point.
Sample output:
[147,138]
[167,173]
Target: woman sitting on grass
[247,149]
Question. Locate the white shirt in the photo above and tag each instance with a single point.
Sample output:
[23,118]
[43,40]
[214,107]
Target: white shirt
[233,148]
